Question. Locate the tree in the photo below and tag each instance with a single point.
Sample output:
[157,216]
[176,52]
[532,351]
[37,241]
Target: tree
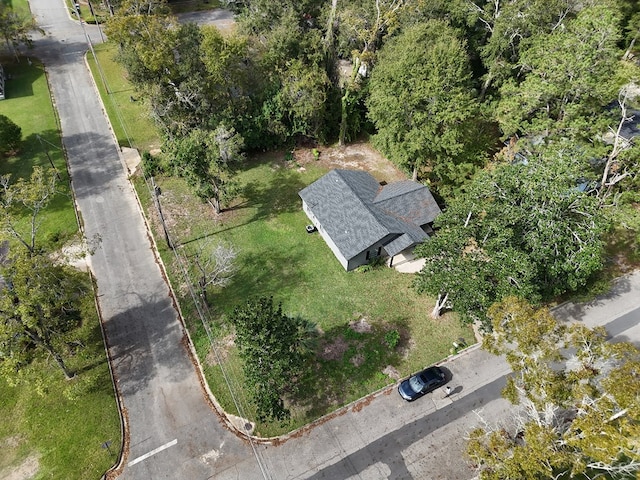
[508,26]
[579,397]
[31,196]
[38,309]
[10,136]
[360,27]
[204,159]
[420,99]
[562,91]
[303,95]
[273,347]
[524,229]
[214,266]
[13,29]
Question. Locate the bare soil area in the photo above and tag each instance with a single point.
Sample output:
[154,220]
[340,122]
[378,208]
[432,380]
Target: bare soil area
[355,156]
[25,471]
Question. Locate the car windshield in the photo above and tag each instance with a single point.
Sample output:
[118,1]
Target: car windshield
[416,384]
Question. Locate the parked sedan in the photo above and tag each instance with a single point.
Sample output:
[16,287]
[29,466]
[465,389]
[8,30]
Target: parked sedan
[422,383]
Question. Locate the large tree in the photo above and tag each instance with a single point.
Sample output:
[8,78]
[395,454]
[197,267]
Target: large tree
[14,29]
[421,101]
[274,348]
[39,307]
[524,228]
[564,81]
[579,399]
[204,159]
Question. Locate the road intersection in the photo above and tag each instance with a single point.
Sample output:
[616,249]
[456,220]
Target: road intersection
[173,430]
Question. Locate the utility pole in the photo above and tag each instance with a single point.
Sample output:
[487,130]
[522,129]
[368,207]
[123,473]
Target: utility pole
[156,198]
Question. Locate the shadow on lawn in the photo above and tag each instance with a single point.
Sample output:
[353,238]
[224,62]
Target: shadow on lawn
[261,274]
[350,365]
[278,195]
[20,78]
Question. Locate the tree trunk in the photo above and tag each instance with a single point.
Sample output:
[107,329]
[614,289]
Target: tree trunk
[414,174]
[485,86]
[67,373]
[631,45]
[344,117]
[439,306]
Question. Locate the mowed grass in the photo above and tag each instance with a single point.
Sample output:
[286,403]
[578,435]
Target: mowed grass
[129,115]
[28,105]
[51,424]
[278,258]
[61,424]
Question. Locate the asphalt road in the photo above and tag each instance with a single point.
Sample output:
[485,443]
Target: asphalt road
[173,432]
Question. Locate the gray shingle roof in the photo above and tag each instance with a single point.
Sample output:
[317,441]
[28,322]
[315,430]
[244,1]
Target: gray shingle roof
[356,212]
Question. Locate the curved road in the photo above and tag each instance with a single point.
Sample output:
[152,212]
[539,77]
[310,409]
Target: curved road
[173,432]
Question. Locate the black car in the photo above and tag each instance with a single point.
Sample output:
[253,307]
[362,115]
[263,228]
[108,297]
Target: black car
[422,383]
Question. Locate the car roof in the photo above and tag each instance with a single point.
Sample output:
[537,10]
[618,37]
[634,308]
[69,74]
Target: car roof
[431,373]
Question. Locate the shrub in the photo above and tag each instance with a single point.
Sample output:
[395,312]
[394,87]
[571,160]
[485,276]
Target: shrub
[392,338]
[151,164]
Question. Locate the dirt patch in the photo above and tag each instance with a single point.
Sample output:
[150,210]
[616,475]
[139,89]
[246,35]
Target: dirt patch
[361,325]
[391,372]
[405,350]
[357,360]
[334,350]
[26,470]
[222,350]
[355,156]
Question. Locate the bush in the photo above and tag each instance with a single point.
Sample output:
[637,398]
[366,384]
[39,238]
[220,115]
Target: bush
[10,136]
[151,165]
[392,338]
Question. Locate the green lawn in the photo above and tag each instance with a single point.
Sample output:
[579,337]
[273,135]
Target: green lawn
[129,116]
[278,258]
[55,425]
[60,423]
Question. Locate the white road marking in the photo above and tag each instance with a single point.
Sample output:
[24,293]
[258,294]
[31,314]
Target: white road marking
[153,452]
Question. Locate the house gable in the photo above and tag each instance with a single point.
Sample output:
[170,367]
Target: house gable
[358,217]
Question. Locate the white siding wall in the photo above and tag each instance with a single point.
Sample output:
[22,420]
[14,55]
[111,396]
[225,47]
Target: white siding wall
[325,236]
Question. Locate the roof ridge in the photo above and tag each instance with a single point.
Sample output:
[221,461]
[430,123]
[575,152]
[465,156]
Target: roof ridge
[363,203]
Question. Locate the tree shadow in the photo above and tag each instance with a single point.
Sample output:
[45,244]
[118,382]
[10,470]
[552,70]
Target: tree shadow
[260,274]
[277,196]
[147,346]
[20,78]
[575,311]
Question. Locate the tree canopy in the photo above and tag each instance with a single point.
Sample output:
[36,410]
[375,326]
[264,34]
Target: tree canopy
[274,348]
[10,135]
[579,398]
[14,29]
[38,309]
[524,228]
[204,159]
[421,99]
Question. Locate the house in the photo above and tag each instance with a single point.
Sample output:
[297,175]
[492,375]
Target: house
[361,219]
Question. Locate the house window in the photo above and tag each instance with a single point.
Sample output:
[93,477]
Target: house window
[367,258]
[379,251]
